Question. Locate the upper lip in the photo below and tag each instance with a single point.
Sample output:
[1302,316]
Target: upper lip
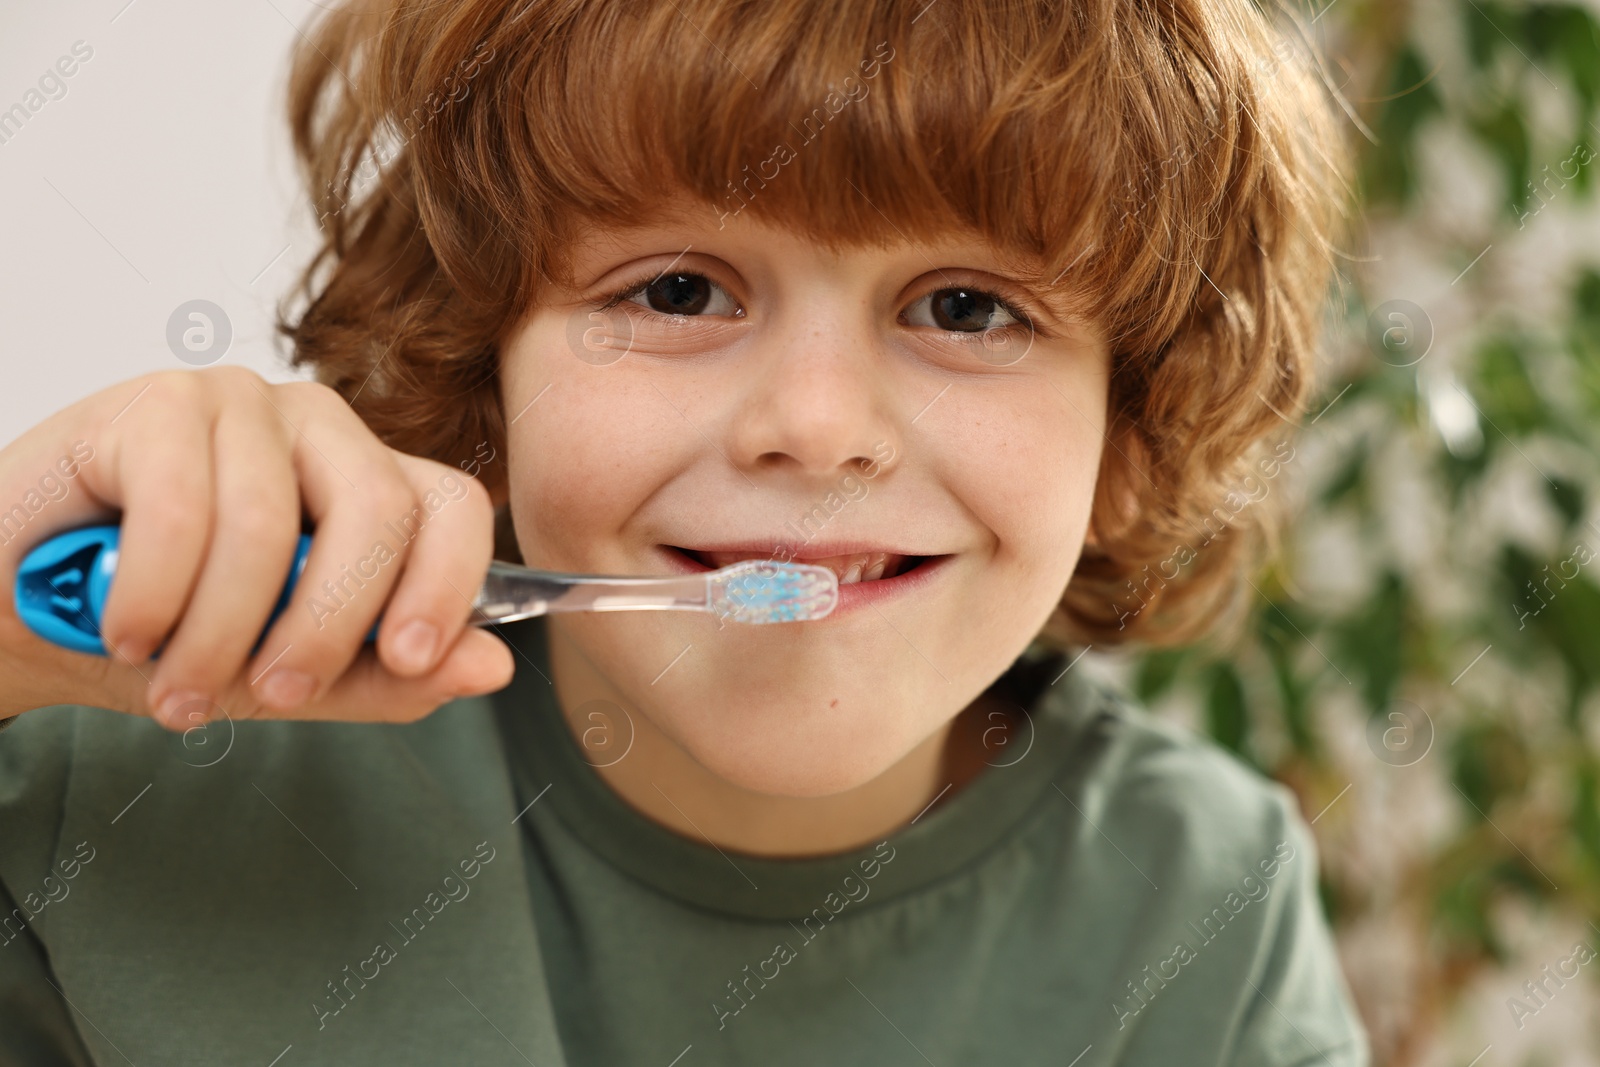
[808,550]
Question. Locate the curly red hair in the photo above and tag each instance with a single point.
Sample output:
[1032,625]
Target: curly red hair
[1176,165]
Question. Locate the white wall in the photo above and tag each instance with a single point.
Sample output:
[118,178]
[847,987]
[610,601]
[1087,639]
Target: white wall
[162,175]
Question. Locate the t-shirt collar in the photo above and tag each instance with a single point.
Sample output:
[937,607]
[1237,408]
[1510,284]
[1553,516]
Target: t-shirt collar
[549,765]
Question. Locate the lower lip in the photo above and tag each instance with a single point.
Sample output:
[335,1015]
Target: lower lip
[852,596]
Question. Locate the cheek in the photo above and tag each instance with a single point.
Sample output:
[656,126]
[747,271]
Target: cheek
[586,454]
[1025,462]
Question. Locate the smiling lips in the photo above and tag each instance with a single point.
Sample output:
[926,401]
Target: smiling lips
[851,567]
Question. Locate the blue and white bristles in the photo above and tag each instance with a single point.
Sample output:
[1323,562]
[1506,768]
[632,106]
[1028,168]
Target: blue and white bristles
[762,591]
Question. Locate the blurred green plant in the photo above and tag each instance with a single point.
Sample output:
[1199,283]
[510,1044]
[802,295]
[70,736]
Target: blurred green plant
[1492,630]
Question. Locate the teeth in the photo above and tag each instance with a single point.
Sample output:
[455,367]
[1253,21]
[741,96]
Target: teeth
[859,567]
[862,567]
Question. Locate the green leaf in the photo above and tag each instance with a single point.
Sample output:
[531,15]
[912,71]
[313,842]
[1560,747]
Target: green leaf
[1157,671]
[1568,33]
[1506,395]
[1296,706]
[1586,813]
[1567,496]
[1489,26]
[1523,601]
[1571,623]
[1372,642]
[1490,764]
[1458,472]
[1227,717]
[1583,336]
[1586,299]
[1461,908]
[1387,172]
[1505,134]
[1350,479]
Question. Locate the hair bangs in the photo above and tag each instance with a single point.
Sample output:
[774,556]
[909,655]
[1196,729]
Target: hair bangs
[849,124]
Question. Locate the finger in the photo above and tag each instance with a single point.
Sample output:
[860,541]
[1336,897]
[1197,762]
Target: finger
[360,501]
[157,469]
[255,529]
[479,662]
[41,491]
[442,572]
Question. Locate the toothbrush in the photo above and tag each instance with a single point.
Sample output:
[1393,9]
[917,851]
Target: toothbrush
[62,585]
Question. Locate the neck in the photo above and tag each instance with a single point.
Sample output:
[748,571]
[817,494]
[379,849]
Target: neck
[665,783]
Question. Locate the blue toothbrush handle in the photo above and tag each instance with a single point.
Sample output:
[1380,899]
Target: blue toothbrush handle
[62,585]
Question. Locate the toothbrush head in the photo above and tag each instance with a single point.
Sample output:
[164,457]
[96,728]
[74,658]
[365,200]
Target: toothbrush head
[764,590]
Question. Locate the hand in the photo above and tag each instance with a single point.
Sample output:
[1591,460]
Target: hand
[210,470]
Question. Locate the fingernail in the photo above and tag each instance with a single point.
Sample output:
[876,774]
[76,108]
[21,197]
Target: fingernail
[173,713]
[414,644]
[285,688]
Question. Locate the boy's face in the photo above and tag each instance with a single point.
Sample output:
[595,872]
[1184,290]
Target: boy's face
[762,391]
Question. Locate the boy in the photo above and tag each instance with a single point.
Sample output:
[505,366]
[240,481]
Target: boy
[981,305]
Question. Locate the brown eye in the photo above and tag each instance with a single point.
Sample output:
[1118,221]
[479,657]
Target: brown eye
[962,310]
[679,294]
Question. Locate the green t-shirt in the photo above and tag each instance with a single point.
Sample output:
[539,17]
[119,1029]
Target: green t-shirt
[466,889]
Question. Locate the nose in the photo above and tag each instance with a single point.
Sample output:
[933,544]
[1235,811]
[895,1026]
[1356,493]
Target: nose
[821,397]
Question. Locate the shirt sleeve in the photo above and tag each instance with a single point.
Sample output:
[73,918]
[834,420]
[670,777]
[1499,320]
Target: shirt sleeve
[37,1027]
[1299,1011]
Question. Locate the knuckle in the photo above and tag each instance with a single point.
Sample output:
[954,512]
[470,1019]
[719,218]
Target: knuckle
[311,395]
[181,515]
[175,389]
[464,491]
[389,498]
[424,469]
[232,377]
[258,521]
[478,495]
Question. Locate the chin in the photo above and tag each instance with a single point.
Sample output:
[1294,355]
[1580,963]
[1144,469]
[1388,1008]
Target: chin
[764,711]
[797,752]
